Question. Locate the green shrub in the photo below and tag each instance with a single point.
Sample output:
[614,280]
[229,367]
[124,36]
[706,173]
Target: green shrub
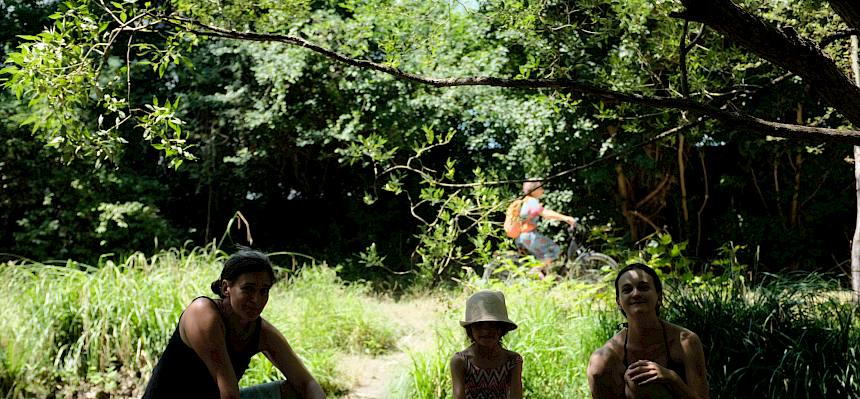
[86,326]
[784,337]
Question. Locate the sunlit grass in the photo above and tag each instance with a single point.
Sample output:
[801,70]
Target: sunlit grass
[73,329]
[559,326]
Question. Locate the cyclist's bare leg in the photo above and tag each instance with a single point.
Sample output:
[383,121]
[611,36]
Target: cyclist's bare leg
[543,270]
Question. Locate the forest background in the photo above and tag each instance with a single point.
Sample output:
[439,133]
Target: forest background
[328,130]
[326,160]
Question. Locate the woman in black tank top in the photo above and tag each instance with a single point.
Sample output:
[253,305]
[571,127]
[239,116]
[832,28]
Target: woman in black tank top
[215,339]
[649,358]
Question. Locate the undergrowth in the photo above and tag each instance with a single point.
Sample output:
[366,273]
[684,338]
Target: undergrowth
[74,330]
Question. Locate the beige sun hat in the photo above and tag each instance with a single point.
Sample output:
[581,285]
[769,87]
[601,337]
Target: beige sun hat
[487,306]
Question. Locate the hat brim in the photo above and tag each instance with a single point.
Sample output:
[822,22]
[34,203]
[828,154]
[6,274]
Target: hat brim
[509,324]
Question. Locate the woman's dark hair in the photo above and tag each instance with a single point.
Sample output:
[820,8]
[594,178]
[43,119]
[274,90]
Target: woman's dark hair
[658,285]
[246,260]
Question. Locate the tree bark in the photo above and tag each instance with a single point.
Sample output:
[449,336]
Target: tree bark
[704,201]
[849,10]
[796,164]
[626,201]
[855,242]
[795,196]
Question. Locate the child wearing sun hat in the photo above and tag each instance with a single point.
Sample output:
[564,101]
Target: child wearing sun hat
[485,369]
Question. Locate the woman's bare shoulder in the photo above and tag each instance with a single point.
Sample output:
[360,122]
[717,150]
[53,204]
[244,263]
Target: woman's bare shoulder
[513,356]
[200,309]
[268,328]
[683,334]
[609,354]
[200,319]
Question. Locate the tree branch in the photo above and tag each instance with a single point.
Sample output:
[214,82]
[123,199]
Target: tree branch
[829,39]
[745,121]
[848,10]
[782,47]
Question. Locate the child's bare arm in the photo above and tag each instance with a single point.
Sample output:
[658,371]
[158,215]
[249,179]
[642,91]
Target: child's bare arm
[458,373]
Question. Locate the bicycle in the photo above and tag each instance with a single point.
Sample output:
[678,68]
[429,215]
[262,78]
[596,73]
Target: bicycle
[577,262]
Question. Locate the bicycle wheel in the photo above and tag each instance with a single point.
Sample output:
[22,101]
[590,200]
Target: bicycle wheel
[489,268]
[500,268]
[590,265]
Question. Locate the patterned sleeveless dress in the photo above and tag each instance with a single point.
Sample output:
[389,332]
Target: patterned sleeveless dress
[492,383]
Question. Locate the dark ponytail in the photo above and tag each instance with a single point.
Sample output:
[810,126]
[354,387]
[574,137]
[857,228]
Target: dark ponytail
[246,260]
[216,287]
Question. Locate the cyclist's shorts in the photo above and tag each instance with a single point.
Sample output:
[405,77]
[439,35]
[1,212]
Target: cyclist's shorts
[538,245]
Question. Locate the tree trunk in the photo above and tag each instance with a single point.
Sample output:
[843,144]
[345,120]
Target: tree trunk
[626,201]
[797,163]
[794,212]
[682,163]
[855,243]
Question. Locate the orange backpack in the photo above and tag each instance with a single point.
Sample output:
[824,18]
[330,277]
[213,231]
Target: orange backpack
[513,224]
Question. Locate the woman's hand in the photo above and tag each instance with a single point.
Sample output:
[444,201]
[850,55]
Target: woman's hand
[645,372]
[570,220]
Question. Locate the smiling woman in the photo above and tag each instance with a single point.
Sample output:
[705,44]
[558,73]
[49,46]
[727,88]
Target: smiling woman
[649,358]
[215,339]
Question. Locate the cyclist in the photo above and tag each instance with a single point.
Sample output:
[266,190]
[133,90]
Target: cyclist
[530,241]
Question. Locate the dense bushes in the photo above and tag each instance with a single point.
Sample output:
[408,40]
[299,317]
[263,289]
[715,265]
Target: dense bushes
[784,337]
[272,127]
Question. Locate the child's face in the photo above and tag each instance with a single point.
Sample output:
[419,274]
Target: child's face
[486,333]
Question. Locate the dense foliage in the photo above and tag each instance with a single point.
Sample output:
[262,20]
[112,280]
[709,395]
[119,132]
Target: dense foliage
[136,126]
[358,167]
[785,337]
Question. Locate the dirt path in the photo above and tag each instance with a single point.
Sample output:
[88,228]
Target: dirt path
[371,375]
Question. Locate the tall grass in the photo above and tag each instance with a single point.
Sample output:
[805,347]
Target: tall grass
[785,337]
[323,318]
[559,327]
[69,326]
[70,330]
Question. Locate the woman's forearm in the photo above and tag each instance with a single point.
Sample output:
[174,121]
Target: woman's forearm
[312,390]
[553,215]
